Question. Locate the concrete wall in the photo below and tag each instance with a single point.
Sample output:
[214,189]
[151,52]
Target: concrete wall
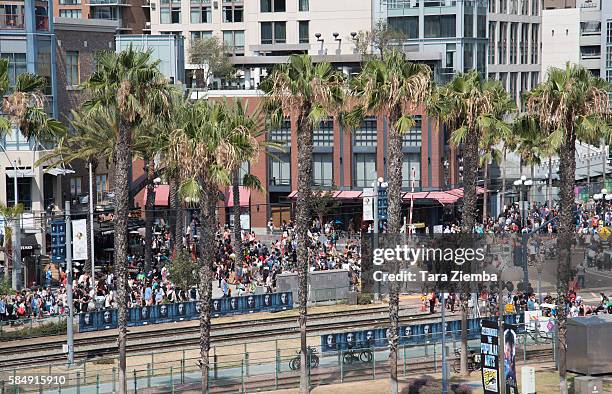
[322,285]
[560,38]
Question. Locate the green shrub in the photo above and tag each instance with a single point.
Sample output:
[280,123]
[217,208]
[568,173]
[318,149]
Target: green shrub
[364,299]
[42,330]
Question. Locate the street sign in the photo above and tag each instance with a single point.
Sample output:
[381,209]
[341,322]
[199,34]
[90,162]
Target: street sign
[604,233]
[58,241]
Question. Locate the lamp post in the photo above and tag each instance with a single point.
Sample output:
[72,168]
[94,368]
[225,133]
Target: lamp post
[604,196]
[522,184]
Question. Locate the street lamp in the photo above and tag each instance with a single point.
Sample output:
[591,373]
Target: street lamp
[522,184]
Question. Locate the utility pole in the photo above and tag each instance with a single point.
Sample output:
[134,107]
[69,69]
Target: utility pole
[69,284]
[444,366]
[91,228]
[375,233]
[500,338]
[16,274]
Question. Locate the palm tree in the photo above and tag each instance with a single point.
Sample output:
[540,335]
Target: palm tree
[129,88]
[9,214]
[470,105]
[571,105]
[208,147]
[90,139]
[310,92]
[393,88]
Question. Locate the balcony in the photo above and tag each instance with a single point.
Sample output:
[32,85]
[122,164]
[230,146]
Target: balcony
[11,21]
[93,3]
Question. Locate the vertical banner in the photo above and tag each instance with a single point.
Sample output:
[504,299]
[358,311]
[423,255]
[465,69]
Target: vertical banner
[79,239]
[368,204]
[510,358]
[490,360]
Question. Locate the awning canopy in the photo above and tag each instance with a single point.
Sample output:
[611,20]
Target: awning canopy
[342,194]
[161,196]
[59,171]
[443,197]
[29,242]
[245,197]
[20,173]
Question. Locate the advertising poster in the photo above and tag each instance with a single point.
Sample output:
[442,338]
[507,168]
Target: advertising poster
[490,362]
[79,239]
[510,359]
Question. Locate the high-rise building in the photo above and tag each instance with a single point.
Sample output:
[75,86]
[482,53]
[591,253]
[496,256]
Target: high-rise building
[131,16]
[515,44]
[449,35]
[27,41]
[262,33]
[571,32]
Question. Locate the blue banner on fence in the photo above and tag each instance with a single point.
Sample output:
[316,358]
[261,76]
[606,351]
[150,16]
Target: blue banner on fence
[165,313]
[414,334]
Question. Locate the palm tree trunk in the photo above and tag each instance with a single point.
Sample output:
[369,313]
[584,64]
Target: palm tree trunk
[305,144]
[532,189]
[549,191]
[149,207]
[236,212]
[504,167]
[567,173]
[123,159]
[175,240]
[394,223]
[179,215]
[468,219]
[208,226]
[485,196]
[94,197]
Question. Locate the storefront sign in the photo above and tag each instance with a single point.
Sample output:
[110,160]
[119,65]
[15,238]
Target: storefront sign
[489,348]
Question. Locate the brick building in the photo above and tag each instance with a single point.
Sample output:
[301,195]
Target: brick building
[128,16]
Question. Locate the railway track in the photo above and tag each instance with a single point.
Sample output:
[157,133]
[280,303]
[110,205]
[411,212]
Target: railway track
[23,354]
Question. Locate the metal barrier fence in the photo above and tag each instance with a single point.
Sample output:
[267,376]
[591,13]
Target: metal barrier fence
[263,365]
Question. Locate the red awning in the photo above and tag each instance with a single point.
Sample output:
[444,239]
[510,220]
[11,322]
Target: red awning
[415,196]
[245,197]
[293,194]
[349,194]
[161,196]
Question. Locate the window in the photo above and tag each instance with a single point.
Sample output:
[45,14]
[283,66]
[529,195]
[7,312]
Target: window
[280,169]
[450,55]
[24,191]
[481,57]
[272,6]
[197,35]
[411,170]
[468,57]
[282,135]
[492,42]
[366,134]
[413,137]
[12,16]
[73,14]
[75,187]
[324,134]
[101,187]
[589,28]
[365,169]
[70,2]
[481,26]
[322,169]
[234,39]
[409,25]
[535,44]
[437,26]
[72,68]
[17,65]
[513,43]
[273,32]
[171,14]
[501,44]
[200,11]
[303,5]
[233,13]
[468,25]
[303,32]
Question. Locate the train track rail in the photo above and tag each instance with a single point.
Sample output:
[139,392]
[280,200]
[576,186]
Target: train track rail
[23,354]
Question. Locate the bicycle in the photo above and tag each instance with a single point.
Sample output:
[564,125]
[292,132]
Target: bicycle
[363,355]
[312,359]
[473,361]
